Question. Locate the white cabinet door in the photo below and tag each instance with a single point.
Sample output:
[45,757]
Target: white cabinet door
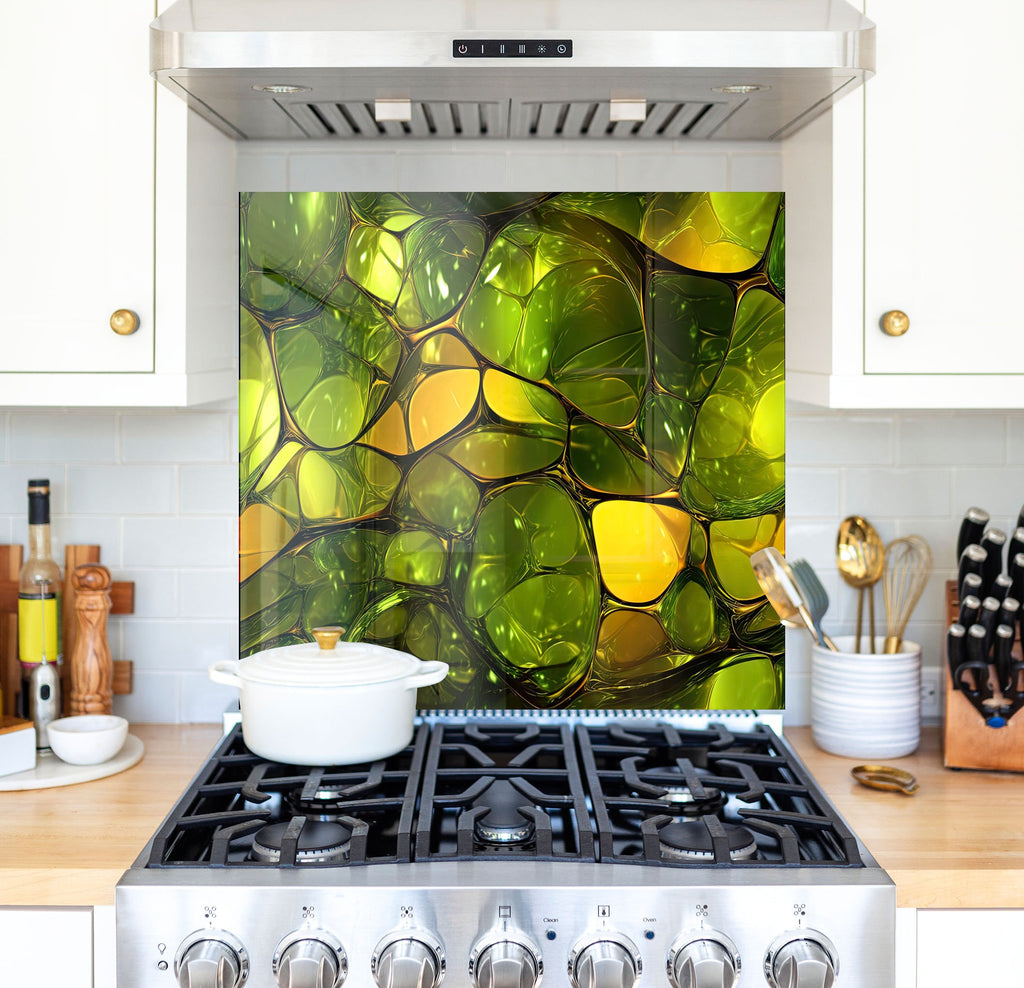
[904,198]
[958,947]
[46,948]
[944,213]
[77,191]
[114,197]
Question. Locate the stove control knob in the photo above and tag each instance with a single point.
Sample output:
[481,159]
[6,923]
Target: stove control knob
[703,960]
[211,959]
[408,959]
[310,959]
[801,959]
[505,961]
[609,960]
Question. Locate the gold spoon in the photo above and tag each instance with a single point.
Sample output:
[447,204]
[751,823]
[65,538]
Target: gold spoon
[860,557]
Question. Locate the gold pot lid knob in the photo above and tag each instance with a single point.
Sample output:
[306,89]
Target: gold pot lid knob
[327,636]
[895,322]
[124,322]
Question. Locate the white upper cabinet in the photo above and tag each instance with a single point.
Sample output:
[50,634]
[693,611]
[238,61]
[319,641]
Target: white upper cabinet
[96,200]
[906,199]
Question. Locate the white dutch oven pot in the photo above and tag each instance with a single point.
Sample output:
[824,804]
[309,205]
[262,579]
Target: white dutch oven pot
[327,703]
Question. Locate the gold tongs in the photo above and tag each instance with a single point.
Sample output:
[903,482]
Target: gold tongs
[885,777]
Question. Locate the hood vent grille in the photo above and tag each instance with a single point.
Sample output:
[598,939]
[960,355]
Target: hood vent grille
[355,120]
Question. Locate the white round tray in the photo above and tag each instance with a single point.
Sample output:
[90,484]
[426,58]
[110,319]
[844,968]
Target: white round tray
[50,771]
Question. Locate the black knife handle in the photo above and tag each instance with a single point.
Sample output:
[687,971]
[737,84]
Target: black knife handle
[972,586]
[972,560]
[970,608]
[1016,545]
[1016,570]
[993,542]
[956,650]
[988,619]
[973,524]
[1002,661]
[977,663]
[1000,587]
[1009,612]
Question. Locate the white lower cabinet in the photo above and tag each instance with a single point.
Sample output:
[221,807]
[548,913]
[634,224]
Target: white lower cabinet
[46,947]
[969,947]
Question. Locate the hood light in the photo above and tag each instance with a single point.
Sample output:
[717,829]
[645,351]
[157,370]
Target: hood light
[740,89]
[281,90]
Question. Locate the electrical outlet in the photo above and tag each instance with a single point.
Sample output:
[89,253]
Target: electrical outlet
[931,694]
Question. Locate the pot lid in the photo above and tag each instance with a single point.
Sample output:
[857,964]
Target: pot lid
[347,664]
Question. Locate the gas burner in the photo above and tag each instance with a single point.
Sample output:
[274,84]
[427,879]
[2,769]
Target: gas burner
[319,843]
[502,823]
[691,841]
[683,802]
[327,803]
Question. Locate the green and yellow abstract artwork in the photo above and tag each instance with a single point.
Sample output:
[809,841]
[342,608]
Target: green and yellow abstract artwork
[537,436]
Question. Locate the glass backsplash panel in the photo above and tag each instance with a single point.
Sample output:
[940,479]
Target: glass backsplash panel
[536,436]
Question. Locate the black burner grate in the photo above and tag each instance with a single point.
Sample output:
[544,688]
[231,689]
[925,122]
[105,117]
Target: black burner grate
[631,791]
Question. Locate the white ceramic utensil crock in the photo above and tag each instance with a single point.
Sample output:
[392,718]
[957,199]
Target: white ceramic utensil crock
[309,705]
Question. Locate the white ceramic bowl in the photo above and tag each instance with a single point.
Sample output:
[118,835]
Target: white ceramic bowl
[88,739]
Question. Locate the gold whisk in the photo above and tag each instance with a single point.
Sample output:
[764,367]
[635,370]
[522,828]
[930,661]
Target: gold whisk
[908,564]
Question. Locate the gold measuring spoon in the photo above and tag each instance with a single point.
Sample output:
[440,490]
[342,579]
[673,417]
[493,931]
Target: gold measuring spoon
[860,558]
[885,777]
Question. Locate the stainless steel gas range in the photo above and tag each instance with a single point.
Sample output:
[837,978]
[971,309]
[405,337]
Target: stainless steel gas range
[503,851]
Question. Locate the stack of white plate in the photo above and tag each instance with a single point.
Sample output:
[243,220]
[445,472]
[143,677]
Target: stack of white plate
[863,705]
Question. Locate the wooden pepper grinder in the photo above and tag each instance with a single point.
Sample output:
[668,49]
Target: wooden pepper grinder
[92,670]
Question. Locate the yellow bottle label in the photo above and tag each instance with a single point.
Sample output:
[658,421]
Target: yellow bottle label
[39,626]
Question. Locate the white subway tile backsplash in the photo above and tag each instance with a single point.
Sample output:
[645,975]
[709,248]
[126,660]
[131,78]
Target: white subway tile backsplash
[952,440]
[261,172]
[448,172]
[203,701]
[209,593]
[119,489]
[14,478]
[341,172]
[667,172]
[155,698]
[209,490]
[157,645]
[840,440]
[568,171]
[156,592]
[180,542]
[755,172]
[181,437]
[999,490]
[104,531]
[811,492]
[70,437]
[889,493]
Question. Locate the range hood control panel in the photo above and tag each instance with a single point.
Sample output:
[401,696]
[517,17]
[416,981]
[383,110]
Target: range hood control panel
[512,48]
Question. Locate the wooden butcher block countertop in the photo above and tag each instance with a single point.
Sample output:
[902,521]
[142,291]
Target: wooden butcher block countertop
[957,843]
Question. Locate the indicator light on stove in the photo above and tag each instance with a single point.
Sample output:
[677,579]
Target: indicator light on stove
[801,959]
[612,961]
[310,959]
[408,959]
[705,960]
[211,959]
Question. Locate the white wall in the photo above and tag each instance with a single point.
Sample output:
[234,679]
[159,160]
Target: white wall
[158,490]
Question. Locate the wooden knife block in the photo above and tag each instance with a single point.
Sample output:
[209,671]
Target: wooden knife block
[122,596]
[967,741]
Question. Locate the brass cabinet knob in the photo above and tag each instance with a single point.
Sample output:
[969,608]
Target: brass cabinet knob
[895,323]
[124,322]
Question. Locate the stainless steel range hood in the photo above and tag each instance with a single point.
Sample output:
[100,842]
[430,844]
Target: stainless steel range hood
[496,69]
